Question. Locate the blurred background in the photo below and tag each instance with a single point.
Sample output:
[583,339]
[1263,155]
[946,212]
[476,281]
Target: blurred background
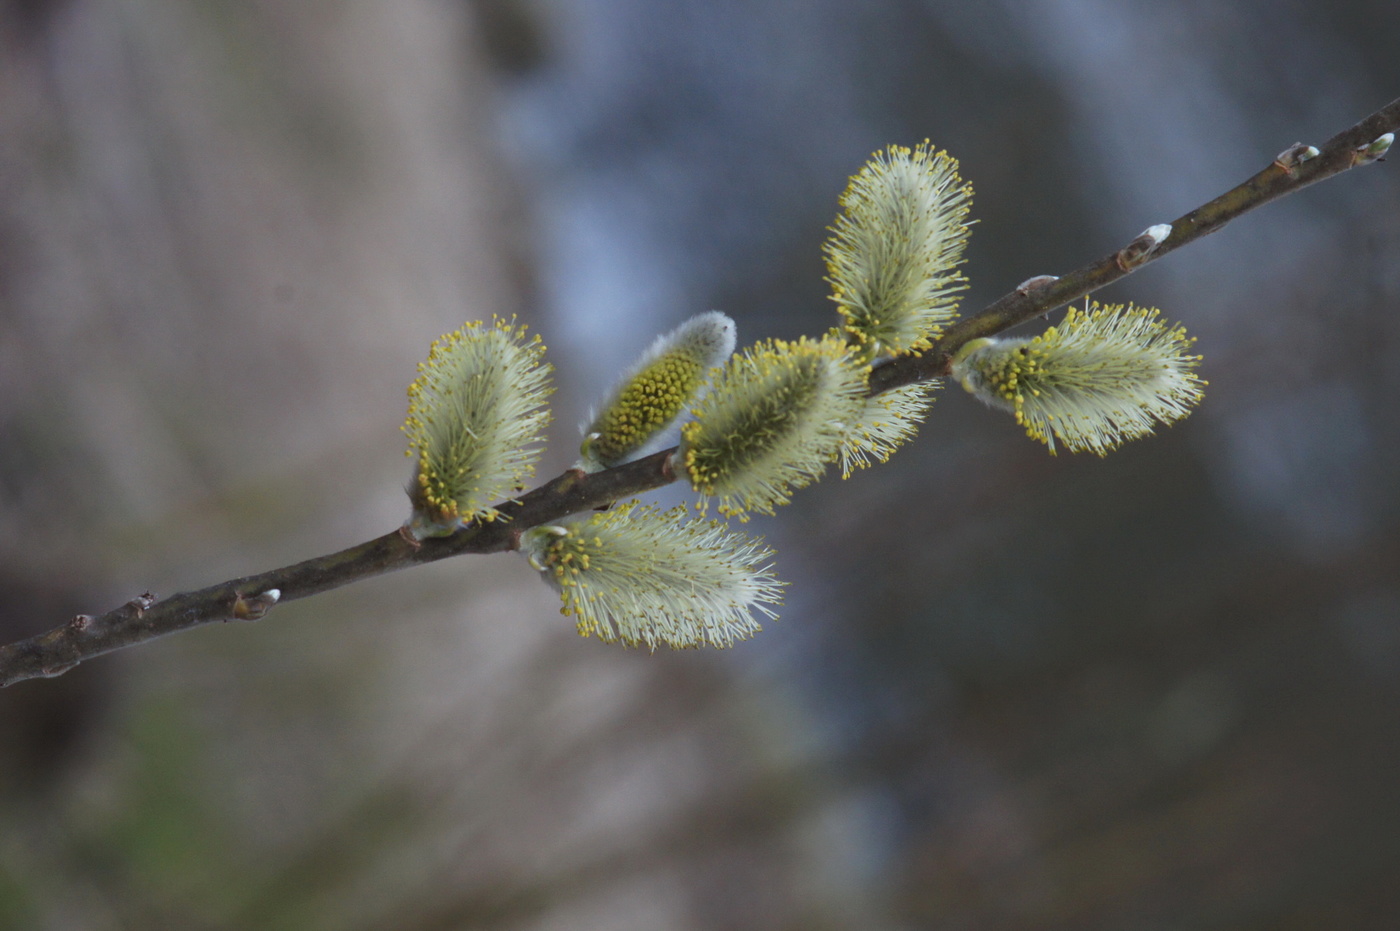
[1155,691]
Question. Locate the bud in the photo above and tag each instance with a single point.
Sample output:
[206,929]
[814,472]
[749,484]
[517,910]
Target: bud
[255,607]
[885,423]
[473,412]
[893,252]
[1374,150]
[1296,154]
[641,576]
[1036,283]
[1105,375]
[772,420]
[641,413]
[1136,252]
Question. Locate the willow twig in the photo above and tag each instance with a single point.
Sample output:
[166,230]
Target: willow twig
[1285,175]
[249,598]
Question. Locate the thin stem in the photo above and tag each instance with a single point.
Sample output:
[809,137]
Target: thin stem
[145,618]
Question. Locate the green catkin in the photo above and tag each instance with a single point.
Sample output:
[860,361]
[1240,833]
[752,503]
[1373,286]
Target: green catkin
[475,415]
[1103,376]
[643,577]
[642,411]
[775,417]
[893,254]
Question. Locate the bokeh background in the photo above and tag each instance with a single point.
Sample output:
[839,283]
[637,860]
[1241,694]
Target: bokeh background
[1155,691]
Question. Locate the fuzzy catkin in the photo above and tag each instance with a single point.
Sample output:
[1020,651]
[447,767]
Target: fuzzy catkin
[775,417]
[645,577]
[894,250]
[475,416]
[1103,376]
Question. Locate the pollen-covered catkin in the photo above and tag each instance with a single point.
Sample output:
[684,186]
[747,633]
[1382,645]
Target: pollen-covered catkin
[1104,375]
[640,415]
[886,421]
[775,416]
[646,577]
[475,413]
[893,254]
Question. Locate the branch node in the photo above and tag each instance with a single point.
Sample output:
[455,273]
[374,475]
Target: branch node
[1136,252]
[138,605]
[80,622]
[1037,283]
[570,479]
[1296,154]
[407,533]
[252,609]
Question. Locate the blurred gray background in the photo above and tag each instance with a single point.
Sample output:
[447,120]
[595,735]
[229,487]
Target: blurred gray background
[1155,691]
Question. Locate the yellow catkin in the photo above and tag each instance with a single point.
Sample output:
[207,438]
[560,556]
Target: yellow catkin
[894,250]
[645,577]
[640,415]
[773,420]
[475,413]
[1104,375]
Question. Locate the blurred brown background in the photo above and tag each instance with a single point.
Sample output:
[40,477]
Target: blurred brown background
[1156,691]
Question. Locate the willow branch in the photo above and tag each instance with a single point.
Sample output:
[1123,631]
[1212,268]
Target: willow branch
[249,598]
[1281,177]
